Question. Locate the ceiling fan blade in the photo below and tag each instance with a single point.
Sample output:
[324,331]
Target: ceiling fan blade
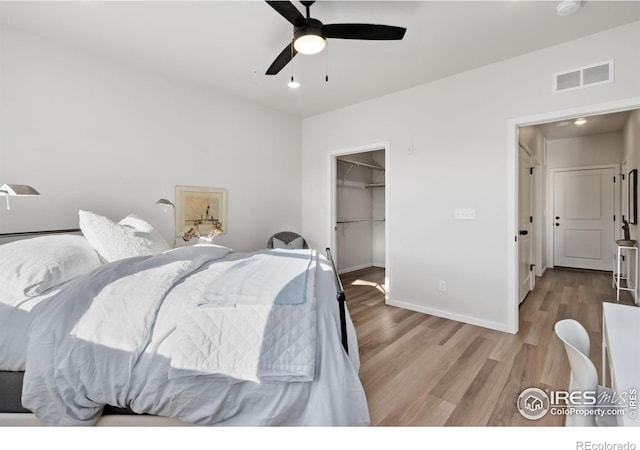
[289,12]
[282,60]
[363,31]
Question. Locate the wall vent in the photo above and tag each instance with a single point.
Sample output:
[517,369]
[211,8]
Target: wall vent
[582,77]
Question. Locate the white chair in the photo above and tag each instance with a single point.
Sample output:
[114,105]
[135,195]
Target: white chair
[584,376]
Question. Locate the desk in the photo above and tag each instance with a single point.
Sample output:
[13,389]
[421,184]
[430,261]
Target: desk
[621,348]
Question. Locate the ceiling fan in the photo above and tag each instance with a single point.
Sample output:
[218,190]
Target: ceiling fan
[309,34]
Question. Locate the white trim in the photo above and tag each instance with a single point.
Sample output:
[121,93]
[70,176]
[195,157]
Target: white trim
[451,316]
[550,190]
[544,269]
[331,203]
[351,269]
[512,185]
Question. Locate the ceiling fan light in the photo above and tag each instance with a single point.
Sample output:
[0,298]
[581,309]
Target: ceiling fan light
[309,44]
[293,84]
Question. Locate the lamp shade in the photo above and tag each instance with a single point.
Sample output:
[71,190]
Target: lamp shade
[17,190]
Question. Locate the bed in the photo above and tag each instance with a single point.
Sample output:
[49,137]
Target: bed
[198,335]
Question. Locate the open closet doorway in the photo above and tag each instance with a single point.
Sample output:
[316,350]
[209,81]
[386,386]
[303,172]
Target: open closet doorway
[359,205]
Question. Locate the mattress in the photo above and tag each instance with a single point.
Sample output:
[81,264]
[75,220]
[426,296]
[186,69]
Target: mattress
[11,396]
[11,392]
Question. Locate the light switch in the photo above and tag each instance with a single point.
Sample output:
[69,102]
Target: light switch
[464,214]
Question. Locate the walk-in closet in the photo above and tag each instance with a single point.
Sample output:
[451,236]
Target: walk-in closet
[360,210]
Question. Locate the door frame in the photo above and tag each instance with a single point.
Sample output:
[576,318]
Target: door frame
[332,202]
[512,311]
[550,206]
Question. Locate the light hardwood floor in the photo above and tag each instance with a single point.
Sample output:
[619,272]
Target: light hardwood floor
[421,370]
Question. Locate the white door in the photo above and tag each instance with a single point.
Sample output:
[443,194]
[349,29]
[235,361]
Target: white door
[526,275]
[583,225]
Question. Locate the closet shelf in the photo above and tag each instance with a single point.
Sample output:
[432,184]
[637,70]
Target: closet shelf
[359,220]
[374,185]
[360,164]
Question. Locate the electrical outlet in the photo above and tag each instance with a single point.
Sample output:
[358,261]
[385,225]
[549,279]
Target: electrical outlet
[464,214]
[442,286]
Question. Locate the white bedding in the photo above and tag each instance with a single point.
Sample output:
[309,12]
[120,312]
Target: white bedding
[249,319]
[16,315]
[79,358]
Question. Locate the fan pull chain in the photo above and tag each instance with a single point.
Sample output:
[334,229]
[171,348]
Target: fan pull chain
[326,68]
[293,84]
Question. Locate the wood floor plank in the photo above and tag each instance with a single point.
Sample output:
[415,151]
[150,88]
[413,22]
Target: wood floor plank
[471,409]
[457,379]
[422,370]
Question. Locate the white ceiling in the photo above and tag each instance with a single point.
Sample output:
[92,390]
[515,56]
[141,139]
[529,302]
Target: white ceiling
[604,123]
[228,45]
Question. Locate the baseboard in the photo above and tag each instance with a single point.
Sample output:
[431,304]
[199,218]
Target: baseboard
[451,316]
[354,268]
[544,269]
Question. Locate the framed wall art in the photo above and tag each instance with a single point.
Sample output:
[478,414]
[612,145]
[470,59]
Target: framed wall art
[200,211]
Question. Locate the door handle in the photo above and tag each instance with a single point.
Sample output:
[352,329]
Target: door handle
[523,232]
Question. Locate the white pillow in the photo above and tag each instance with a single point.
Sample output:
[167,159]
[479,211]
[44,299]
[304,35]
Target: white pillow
[33,266]
[296,244]
[133,236]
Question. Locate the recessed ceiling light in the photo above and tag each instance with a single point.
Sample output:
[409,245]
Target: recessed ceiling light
[562,124]
[567,8]
[580,121]
[293,84]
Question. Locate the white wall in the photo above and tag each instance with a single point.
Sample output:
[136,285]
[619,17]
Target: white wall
[377,212]
[597,149]
[377,238]
[532,139]
[92,133]
[448,149]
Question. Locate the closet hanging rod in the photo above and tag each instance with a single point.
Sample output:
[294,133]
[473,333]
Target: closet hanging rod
[361,164]
[374,185]
[359,220]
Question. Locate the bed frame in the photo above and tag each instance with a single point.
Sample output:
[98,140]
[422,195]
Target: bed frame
[5,238]
[341,303]
[144,420]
